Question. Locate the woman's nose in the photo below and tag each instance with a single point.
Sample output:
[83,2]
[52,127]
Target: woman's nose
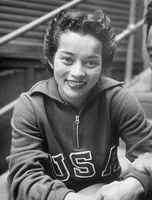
[77,70]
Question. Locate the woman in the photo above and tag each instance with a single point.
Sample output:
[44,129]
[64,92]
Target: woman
[65,130]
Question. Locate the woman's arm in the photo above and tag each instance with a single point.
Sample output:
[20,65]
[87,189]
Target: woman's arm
[29,176]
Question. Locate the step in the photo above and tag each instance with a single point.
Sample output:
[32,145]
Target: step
[145,99]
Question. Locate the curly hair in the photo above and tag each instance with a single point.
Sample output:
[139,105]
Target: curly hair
[97,24]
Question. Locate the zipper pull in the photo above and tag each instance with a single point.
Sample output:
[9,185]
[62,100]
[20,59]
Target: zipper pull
[77,121]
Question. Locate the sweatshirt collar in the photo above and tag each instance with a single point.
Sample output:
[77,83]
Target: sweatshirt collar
[50,88]
[47,87]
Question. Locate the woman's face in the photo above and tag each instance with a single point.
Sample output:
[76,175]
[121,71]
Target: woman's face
[77,66]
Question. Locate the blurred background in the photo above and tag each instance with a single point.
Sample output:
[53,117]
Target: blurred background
[21,52]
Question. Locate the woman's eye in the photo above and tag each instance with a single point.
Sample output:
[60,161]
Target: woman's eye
[91,64]
[67,60]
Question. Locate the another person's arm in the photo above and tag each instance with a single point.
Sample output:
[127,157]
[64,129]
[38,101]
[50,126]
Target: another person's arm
[135,131]
[144,163]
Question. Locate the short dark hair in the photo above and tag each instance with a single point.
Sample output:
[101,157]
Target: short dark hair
[148,17]
[97,24]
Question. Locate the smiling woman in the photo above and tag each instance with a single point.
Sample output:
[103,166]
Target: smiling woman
[65,130]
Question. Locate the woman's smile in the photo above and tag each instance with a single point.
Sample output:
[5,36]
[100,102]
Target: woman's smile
[76,84]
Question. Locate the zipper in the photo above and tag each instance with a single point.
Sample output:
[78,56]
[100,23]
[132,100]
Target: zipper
[77,122]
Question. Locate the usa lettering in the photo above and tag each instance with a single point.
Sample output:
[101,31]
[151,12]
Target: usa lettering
[83,166]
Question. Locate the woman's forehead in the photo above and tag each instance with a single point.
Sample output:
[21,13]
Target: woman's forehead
[78,41]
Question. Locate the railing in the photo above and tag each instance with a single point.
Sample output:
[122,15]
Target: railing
[131,41]
[37,22]
[131,28]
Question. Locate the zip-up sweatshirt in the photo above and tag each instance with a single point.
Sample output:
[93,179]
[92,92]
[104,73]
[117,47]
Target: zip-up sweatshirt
[55,150]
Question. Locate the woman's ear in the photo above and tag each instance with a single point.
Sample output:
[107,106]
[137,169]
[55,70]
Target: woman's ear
[51,64]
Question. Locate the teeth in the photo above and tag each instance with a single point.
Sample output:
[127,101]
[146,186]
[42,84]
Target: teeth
[74,83]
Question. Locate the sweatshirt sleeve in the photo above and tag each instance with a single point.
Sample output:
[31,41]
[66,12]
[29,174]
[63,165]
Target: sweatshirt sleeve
[29,166]
[134,128]
[135,131]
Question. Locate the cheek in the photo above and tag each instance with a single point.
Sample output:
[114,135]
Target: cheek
[57,66]
[96,74]
[60,71]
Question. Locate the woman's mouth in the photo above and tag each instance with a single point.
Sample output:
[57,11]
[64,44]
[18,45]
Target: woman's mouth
[76,84]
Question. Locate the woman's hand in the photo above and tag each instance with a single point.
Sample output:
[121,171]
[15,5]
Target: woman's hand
[77,196]
[88,193]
